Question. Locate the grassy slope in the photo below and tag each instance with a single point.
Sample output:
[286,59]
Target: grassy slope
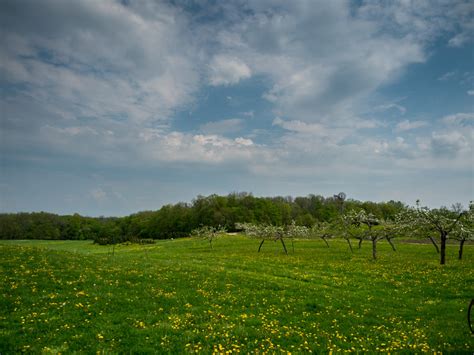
[180,295]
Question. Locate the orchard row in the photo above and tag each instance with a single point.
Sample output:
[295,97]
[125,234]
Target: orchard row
[437,225]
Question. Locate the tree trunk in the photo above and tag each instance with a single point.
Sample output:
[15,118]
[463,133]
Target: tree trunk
[374,249]
[325,241]
[210,242]
[260,246]
[461,245]
[284,246]
[391,244]
[350,245]
[434,243]
[443,248]
[360,242]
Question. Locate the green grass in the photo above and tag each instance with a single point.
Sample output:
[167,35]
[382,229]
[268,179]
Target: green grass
[180,296]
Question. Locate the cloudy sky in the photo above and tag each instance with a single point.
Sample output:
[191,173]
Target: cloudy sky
[112,107]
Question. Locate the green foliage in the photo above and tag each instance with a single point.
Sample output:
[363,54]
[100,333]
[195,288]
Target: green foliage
[49,226]
[108,233]
[178,220]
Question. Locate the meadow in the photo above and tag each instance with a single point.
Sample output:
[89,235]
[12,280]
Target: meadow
[179,296]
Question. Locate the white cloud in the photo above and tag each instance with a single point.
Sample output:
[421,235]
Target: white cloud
[127,146]
[327,132]
[321,60]
[71,58]
[425,20]
[224,126]
[448,144]
[459,119]
[226,70]
[200,148]
[243,141]
[300,127]
[462,78]
[448,76]
[390,106]
[470,92]
[459,40]
[406,125]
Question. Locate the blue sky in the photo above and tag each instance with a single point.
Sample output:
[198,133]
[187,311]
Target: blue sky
[113,107]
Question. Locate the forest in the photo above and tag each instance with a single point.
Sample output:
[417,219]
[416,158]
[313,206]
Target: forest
[178,220]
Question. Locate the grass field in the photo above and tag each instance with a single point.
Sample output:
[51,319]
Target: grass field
[180,296]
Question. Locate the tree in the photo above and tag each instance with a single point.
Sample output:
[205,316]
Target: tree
[383,230]
[208,233]
[306,220]
[264,232]
[464,230]
[293,231]
[352,222]
[364,225]
[442,221]
[107,232]
[323,230]
[374,235]
[390,231]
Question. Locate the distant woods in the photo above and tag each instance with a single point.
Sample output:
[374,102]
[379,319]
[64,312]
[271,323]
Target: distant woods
[174,221]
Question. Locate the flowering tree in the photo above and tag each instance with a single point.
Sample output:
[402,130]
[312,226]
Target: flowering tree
[264,232]
[347,230]
[353,223]
[365,226]
[442,221]
[391,230]
[387,230]
[323,230]
[293,231]
[464,230]
[208,233]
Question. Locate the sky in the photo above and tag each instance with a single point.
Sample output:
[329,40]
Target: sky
[114,107]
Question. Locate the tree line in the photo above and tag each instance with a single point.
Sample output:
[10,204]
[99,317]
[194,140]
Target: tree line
[178,220]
